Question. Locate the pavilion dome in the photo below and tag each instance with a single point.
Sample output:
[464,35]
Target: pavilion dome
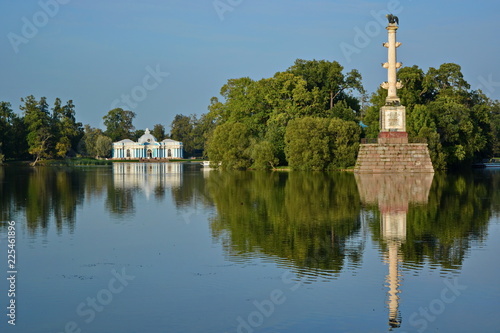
[170,141]
[125,141]
[147,137]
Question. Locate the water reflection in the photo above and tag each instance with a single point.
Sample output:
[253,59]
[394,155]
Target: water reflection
[40,194]
[150,178]
[309,221]
[393,194]
[317,225]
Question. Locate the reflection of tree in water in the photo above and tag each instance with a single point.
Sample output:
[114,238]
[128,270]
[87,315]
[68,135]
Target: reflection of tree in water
[44,193]
[192,189]
[493,177]
[309,219]
[443,230]
[120,201]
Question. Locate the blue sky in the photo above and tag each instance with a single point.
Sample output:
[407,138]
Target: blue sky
[172,56]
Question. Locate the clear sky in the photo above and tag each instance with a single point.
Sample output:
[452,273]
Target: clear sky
[172,56]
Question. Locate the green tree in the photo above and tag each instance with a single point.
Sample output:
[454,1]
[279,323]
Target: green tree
[159,132]
[182,129]
[320,143]
[203,128]
[66,130]
[6,117]
[495,128]
[307,89]
[18,146]
[38,122]
[344,142]
[414,90]
[262,154]
[446,80]
[275,135]
[2,156]
[343,111]
[287,95]
[103,146]
[88,144]
[460,136]
[229,145]
[372,120]
[137,134]
[328,78]
[63,146]
[307,144]
[119,124]
[421,124]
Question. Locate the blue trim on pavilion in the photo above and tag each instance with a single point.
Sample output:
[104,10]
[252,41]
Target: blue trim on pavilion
[147,148]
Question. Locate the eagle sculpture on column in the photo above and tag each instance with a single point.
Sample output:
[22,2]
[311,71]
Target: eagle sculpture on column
[392,18]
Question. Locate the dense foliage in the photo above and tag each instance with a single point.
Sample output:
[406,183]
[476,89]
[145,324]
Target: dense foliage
[41,133]
[460,125]
[307,117]
[314,90]
[321,143]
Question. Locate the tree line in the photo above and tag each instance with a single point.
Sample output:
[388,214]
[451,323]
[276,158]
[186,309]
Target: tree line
[43,132]
[309,117]
[461,125]
[305,117]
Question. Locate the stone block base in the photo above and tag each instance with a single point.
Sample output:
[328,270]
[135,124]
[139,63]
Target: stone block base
[393,158]
[392,137]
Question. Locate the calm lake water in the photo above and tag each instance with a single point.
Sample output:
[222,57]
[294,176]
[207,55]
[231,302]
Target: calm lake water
[175,248]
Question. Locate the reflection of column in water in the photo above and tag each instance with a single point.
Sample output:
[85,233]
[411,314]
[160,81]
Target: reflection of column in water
[394,283]
[392,194]
[394,233]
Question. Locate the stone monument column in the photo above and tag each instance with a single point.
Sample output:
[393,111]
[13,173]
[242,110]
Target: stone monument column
[392,153]
[392,114]
[392,85]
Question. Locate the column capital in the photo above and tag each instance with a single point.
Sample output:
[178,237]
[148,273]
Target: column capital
[392,27]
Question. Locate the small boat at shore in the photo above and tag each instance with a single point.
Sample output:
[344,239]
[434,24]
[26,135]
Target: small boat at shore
[488,163]
[207,164]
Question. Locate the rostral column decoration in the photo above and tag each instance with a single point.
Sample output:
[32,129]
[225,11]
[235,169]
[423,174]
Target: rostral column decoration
[393,114]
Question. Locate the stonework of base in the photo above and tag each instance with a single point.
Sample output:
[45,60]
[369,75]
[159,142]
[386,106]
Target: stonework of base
[392,137]
[393,193]
[393,158]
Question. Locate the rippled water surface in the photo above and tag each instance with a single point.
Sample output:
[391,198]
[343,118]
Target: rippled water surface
[175,248]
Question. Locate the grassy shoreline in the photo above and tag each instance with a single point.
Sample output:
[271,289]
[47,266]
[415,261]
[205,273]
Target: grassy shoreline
[78,161]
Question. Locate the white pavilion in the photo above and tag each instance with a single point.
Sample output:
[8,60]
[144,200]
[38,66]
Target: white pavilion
[147,148]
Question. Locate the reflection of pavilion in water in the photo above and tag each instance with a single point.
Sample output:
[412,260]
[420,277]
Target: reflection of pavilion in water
[393,193]
[147,176]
